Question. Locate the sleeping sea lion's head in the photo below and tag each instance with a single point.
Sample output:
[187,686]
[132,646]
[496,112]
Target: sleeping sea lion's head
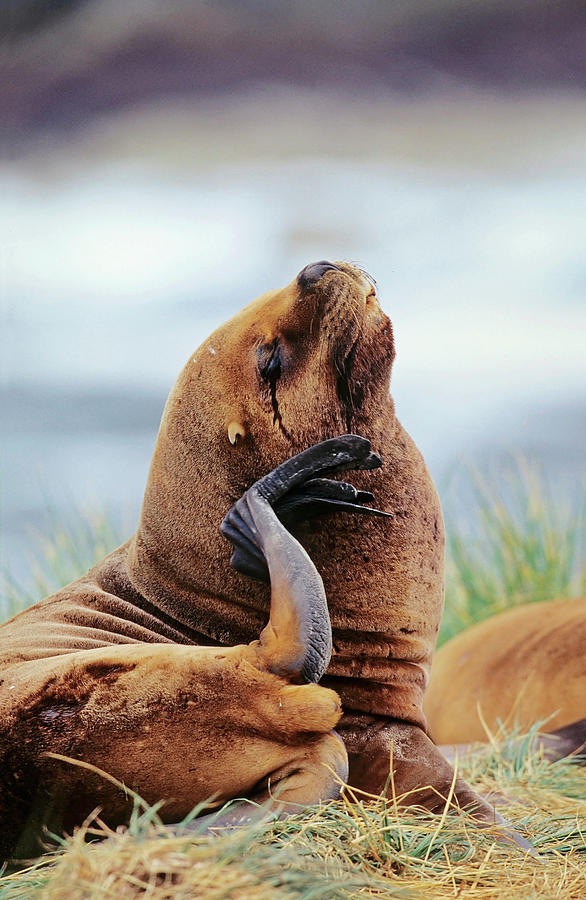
[298,365]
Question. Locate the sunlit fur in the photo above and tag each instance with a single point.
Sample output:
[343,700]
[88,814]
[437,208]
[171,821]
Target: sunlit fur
[523,666]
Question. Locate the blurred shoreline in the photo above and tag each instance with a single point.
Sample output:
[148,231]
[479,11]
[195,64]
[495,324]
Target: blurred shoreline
[522,135]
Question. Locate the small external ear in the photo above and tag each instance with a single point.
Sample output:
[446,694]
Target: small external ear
[235,431]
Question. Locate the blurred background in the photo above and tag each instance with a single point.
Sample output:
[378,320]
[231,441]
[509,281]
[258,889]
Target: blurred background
[166,162]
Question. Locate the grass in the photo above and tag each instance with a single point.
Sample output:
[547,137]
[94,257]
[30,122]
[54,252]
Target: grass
[518,545]
[356,847]
[78,541]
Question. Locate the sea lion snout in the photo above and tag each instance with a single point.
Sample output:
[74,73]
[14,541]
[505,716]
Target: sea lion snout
[311,274]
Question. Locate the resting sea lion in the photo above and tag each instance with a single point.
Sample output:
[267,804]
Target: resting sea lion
[522,666]
[297,366]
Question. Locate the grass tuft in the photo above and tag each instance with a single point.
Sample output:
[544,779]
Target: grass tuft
[516,544]
[353,848]
[77,542]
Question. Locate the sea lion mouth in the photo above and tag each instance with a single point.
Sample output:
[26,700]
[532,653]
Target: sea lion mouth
[350,394]
[343,293]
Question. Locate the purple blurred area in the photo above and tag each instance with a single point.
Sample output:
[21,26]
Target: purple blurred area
[165,162]
[69,61]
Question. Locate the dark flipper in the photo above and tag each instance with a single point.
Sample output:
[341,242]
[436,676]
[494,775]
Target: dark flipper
[349,451]
[320,496]
[420,774]
[570,740]
[315,497]
[297,639]
[308,497]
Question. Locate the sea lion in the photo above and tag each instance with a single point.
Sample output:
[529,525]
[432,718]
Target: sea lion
[523,666]
[295,367]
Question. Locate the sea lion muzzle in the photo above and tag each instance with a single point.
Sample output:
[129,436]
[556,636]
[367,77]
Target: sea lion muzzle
[311,274]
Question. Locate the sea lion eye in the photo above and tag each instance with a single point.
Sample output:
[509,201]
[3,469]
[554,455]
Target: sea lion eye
[270,361]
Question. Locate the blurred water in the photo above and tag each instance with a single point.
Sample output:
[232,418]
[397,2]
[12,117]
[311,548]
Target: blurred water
[112,278]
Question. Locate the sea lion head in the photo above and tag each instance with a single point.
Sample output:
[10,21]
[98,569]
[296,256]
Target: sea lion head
[296,366]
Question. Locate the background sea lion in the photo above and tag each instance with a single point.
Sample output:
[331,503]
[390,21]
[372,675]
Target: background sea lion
[295,367]
[523,666]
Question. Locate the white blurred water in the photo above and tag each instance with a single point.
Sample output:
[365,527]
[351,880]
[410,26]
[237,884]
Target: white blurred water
[111,279]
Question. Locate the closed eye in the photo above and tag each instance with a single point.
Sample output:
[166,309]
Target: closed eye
[270,361]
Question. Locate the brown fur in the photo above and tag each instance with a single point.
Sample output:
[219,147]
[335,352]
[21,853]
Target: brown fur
[67,684]
[383,581]
[523,666]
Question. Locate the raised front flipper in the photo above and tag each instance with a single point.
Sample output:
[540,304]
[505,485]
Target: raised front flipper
[339,454]
[320,496]
[315,497]
[297,641]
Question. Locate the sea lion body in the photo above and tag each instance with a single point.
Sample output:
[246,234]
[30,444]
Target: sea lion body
[295,367]
[523,666]
[383,579]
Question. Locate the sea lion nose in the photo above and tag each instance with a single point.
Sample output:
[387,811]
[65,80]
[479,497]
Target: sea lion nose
[311,274]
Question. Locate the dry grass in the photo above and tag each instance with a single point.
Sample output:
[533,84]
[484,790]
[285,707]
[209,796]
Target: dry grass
[356,847]
[525,547]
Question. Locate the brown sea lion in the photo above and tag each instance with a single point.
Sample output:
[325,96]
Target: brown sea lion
[523,666]
[297,366]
